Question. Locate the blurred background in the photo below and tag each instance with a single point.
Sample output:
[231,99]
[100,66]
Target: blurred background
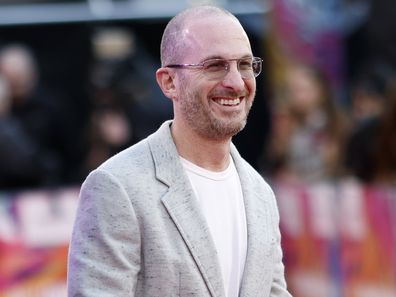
[77,85]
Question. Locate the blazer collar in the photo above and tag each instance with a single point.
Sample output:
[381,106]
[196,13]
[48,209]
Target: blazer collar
[183,208]
[258,220]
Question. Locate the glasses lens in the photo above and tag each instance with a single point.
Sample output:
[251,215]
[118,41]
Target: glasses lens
[245,67]
[215,68]
[249,67]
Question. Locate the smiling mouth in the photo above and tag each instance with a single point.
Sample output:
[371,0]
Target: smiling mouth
[228,102]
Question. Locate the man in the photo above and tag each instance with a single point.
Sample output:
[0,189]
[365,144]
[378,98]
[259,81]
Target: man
[181,213]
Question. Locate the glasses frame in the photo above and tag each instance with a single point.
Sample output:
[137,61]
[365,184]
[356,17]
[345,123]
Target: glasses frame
[227,68]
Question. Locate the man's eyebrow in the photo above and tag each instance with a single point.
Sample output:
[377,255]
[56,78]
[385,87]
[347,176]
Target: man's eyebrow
[211,58]
[221,57]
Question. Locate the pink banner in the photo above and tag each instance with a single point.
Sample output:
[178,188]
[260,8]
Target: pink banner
[339,240]
[35,229]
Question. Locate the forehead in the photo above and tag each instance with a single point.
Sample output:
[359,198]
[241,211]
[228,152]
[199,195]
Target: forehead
[220,36]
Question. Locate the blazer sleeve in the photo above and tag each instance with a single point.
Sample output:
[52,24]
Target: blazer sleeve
[279,286]
[104,252]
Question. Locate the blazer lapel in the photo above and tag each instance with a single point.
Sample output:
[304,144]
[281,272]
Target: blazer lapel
[257,269]
[184,209]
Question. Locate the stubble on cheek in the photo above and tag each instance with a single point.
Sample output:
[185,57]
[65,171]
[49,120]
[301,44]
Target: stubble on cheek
[206,123]
[199,115]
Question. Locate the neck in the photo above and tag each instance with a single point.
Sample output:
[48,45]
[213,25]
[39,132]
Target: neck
[211,154]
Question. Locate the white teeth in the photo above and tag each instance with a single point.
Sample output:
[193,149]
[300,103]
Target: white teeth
[229,102]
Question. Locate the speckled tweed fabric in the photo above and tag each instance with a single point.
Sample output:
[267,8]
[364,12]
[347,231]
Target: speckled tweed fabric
[139,230]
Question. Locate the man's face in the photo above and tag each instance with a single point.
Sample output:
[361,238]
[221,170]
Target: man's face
[215,109]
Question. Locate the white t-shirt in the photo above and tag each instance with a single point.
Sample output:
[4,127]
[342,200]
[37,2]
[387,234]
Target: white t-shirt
[220,197]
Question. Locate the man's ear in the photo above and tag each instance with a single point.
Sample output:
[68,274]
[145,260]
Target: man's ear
[165,80]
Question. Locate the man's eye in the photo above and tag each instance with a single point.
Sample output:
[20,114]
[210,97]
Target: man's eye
[213,66]
[245,64]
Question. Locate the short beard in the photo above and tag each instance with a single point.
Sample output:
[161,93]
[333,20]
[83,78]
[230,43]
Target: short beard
[204,123]
[218,130]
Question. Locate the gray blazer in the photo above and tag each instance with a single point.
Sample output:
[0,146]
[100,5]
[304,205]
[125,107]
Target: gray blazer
[139,230]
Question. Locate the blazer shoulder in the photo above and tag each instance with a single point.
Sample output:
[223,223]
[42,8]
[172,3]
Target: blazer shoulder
[133,160]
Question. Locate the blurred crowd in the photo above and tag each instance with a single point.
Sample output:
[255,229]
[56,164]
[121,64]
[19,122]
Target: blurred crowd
[333,105]
[40,146]
[313,135]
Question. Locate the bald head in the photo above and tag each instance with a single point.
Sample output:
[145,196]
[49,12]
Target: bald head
[173,42]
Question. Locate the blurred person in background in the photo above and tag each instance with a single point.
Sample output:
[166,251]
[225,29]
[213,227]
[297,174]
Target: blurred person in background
[368,94]
[126,108]
[181,213]
[371,149]
[41,114]
[308,129]
[386,151]
[19,158]
[369,101]
[110,129]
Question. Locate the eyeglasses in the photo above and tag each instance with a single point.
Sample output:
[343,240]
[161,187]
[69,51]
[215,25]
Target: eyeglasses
[215,69]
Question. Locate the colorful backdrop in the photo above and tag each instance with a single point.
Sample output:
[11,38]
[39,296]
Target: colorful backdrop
[339,240]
